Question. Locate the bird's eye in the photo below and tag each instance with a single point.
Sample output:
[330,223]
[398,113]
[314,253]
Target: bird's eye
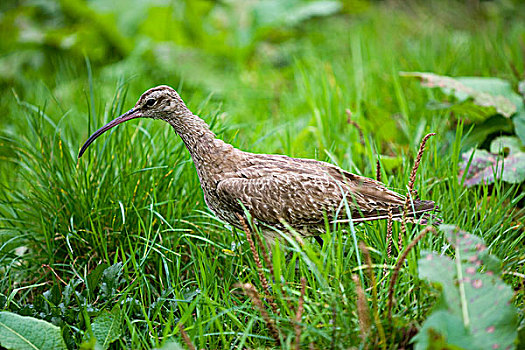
[150,102]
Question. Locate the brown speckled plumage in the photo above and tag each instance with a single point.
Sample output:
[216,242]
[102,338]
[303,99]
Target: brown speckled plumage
[273,188]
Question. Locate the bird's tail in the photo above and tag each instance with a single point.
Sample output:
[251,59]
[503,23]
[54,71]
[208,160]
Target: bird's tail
[419,212]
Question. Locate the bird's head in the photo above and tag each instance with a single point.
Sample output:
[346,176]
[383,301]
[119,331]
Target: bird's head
[161,102]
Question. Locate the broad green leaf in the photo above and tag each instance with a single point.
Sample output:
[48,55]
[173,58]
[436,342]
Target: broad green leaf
[519,125]
[442,330]
[493,86]
[514,168]
[53,295]
[521,88]
[21,332]
[476,310]
[519,118]
[171,346]
[292,12]
[491,93]
[94,277]
[68,292]
[107,327]
[312,9]
[486,166]
[506,145]
[493,125]
[521,336]
[111,279]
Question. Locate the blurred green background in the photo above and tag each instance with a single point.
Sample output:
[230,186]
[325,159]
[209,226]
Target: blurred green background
[248,54]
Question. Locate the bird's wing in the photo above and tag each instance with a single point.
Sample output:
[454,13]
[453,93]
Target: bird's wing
[299,199]
[302,191]
[370,195]
[375,201]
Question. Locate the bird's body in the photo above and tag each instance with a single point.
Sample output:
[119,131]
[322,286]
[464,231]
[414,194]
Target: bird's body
[274,189]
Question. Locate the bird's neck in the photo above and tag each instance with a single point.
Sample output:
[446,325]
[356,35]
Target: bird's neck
[204,147]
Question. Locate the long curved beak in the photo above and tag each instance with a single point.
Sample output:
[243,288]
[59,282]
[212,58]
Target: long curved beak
[131,114]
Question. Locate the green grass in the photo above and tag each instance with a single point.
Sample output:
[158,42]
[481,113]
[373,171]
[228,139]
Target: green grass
[135,198]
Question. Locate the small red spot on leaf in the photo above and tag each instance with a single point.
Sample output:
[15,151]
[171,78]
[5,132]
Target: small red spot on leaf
[495,346]
[491,329]
[471,270]
[477,284]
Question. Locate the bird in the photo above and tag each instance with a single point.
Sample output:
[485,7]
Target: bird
[279,192]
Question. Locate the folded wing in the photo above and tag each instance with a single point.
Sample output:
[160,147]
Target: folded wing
[304,196]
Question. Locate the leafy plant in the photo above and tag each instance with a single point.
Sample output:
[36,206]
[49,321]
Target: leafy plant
[22,332]
[292,12]
[479,98]
[480,166]
[73,306]
[106,327]
[474,310]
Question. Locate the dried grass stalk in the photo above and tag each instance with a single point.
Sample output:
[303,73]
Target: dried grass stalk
[351,122]
[403,229]
[299,314]
[400,262]
[334,327]
[185,338]
[411,183]
[363,314]
[257,259]
[418,161]
[372,278]
[266,256]
[378,170]
[389,233]
[251,292]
